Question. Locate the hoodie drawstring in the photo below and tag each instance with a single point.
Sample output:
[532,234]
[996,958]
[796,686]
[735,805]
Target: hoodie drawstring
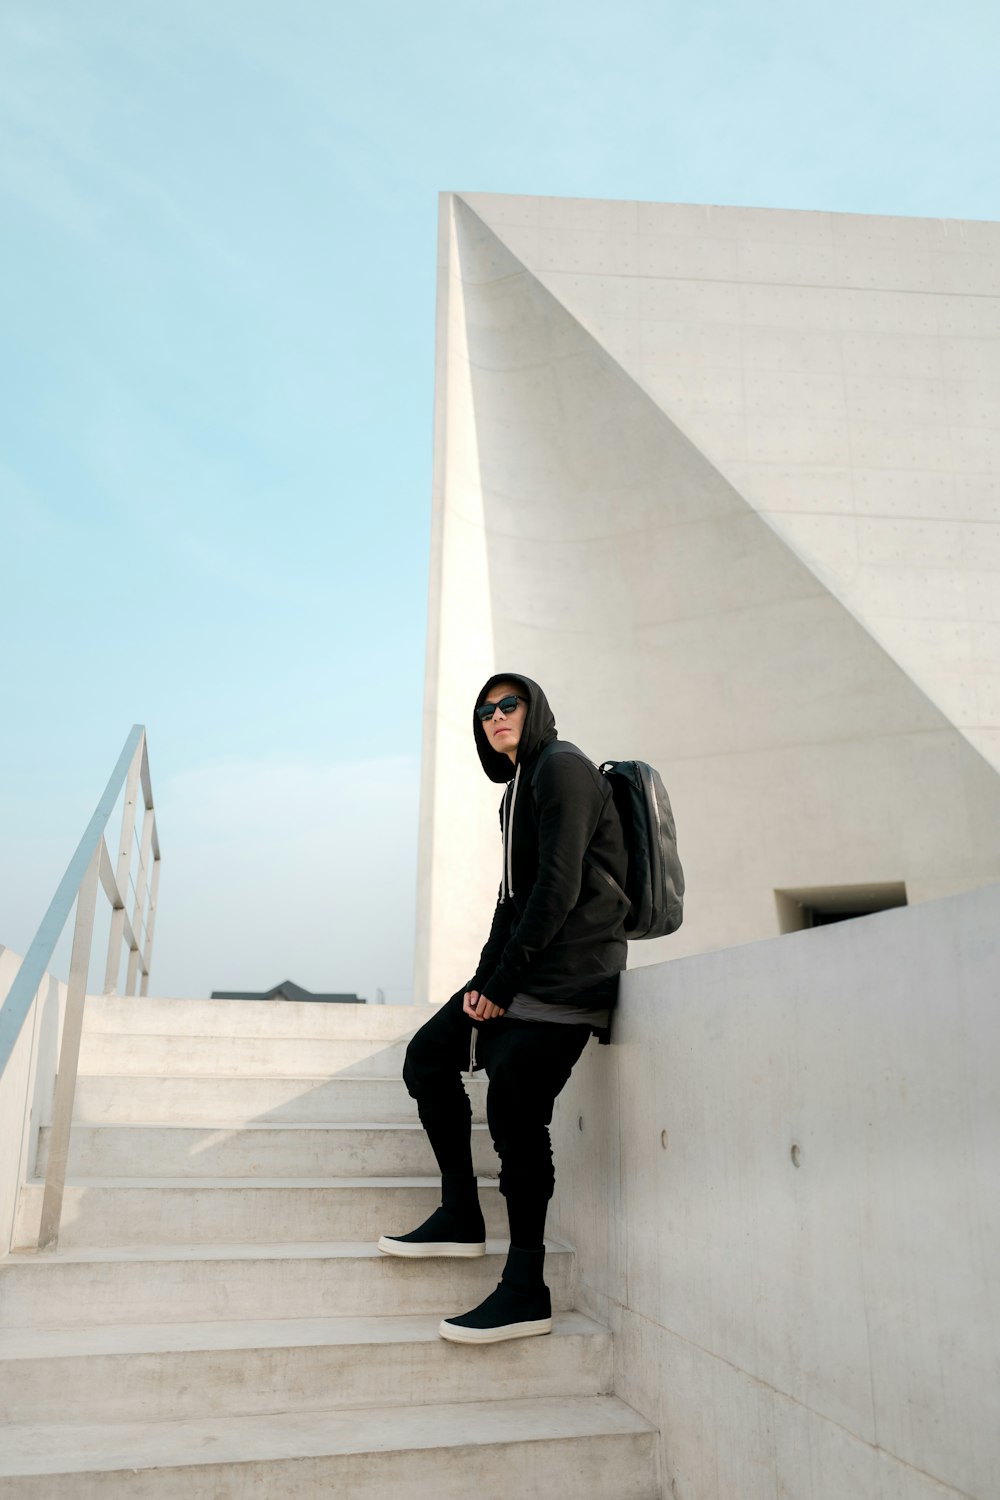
[508,837]
[505,827]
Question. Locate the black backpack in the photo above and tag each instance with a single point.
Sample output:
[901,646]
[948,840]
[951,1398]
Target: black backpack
[654,882]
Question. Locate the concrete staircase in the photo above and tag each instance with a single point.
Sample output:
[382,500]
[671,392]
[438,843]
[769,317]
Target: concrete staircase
[217,1321]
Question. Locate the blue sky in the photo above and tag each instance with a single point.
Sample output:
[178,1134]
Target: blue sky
[217,238]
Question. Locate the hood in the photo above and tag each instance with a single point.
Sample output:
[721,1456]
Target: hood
[539,727]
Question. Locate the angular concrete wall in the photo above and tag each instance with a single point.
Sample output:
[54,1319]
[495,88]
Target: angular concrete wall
[607,542]
[843,371]
[782,1182]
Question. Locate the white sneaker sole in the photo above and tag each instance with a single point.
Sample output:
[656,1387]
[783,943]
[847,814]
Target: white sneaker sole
[453,1248]
[456,1334]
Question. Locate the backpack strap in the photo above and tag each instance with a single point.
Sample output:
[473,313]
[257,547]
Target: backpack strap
[552,748]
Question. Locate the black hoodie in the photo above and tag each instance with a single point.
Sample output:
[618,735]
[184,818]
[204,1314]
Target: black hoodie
[558,929]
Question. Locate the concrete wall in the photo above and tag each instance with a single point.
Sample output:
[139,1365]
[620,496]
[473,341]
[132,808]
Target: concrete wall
[26,1088]
[604,540]
[782,1181]
[842,371]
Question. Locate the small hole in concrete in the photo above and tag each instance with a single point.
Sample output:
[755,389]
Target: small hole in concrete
[579,1123]
[796,1155]
[663,1139]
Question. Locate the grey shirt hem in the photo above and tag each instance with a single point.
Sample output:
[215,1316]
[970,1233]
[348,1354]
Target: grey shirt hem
[527,1008]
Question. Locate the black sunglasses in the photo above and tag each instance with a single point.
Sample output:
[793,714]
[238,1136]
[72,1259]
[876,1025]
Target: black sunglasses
[506,706]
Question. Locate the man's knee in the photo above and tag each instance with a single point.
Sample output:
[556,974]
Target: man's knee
[411,1075]
[422,1061]
[418,1060]
[526,1165]
[430,1053]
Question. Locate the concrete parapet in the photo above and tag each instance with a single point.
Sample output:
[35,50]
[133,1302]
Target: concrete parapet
[781,1182]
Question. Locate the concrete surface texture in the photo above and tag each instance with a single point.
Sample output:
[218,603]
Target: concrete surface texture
[217,1319]
[727,482]
[782,1185]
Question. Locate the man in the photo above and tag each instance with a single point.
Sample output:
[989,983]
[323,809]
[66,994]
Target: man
[547,979]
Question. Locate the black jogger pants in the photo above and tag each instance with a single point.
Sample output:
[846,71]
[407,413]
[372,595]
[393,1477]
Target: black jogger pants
[527,1064]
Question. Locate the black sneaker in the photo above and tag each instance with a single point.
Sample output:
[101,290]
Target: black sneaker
[446,1232]
[511,1312]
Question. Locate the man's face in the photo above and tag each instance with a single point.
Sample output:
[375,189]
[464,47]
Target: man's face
[504,730]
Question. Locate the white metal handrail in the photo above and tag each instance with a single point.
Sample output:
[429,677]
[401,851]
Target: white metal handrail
[90,866]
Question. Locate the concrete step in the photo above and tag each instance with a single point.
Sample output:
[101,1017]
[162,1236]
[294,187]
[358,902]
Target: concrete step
[117,1212]
[157,1372]
[255,1151]
[239,1056]
[197,1283]
[236,1101]
[565,1448]
[112,1014]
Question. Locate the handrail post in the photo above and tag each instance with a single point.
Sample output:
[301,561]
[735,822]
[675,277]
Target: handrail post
[150,924]
[113,967]
[69,1056]
[142,878]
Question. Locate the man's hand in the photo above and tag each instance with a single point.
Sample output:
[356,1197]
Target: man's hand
[479,1008]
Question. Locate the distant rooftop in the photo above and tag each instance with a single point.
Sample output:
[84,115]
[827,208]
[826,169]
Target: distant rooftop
[286,990]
